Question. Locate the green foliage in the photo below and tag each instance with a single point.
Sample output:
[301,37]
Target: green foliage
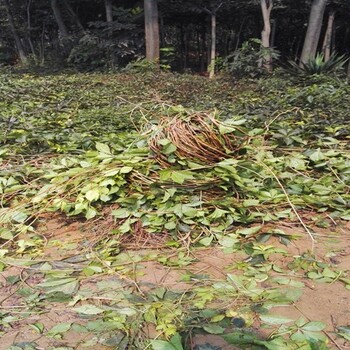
[167,57]
[107,45]
[174,343]
[142,66]
[102,126]
[248,60]
[318,65]
[88,53]
[102,176]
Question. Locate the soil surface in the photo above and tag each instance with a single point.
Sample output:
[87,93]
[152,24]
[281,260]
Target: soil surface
[68,242]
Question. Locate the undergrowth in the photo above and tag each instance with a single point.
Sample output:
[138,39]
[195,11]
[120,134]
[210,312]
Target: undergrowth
[198,163]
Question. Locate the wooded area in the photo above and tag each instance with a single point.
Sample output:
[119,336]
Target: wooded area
[144,206]
[186,35]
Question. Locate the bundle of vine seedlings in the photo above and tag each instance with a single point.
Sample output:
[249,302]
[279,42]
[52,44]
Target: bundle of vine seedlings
[198,137]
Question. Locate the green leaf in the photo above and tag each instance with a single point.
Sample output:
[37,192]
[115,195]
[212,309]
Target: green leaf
[317,155]
[225,129]
[189,211]
[169,149]
[101,147]
[162,345]
[249,231]
[329,273]
[173,344]
[56,282]
[214,329]
[243,338]
[236,120]
[13,279]
[180,176]
[121,213]
[59,328]
[275,319]
[314,326]
[176,342]
[206,241]
[38,327]
[314,275]
[288,281]
[171,225]
[218,213]
[90,213]
[250,203]
[88,309]
[298,337]
[19,217]
[228,241]
[163,142]
[125,226]
[344,331]
[126,169]
[345,217]
[315,336]
[165,174]
[296,163]
[5,234]
[67,288]
[92,195]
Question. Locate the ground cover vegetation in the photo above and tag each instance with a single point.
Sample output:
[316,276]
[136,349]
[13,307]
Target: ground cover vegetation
[144,209]
[153,174]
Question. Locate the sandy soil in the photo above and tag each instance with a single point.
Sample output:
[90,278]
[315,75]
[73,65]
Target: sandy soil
[329,303]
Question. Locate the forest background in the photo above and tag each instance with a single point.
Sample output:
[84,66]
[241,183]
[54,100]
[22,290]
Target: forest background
[184,35]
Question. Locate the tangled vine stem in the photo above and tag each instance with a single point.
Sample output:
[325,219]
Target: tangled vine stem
[292,206]
[196,137]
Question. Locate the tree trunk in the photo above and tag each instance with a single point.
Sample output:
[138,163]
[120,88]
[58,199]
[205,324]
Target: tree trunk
[211,67]
[151,30]
[182,48]
[313,30]
[29,29]
[203,61]
[161,32]
[20,49]
[74,16]
[42,46]
[273,32]
[266,8]
[109,16]
[327,42]
[239,34]
[58,16]
[187,51]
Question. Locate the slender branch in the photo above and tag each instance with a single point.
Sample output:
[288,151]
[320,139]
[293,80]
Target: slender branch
[293,207]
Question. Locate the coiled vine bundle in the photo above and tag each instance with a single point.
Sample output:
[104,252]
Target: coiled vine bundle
[198,137]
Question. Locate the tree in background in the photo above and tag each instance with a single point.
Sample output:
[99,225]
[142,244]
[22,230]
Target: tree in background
[109,16]
[63,31]
[151,30]
[266,8]
[19,46]
[213,15]
[327,42]
[313,32]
